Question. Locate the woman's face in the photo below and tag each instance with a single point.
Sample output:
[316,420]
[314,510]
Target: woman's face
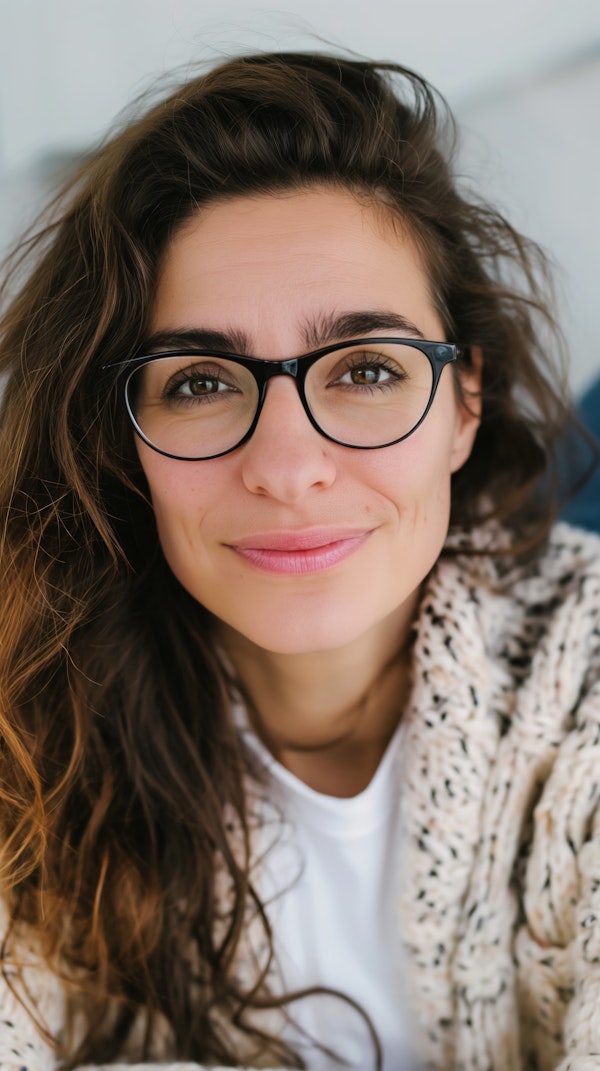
[295,542]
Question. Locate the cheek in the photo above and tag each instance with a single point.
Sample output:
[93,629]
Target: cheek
[415,475]
[183,495]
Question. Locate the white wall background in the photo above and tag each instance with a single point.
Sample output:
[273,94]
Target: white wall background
[522,75]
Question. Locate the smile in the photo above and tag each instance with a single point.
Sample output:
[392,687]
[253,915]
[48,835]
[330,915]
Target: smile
[301,552]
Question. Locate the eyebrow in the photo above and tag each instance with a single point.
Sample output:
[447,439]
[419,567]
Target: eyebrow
[318,332]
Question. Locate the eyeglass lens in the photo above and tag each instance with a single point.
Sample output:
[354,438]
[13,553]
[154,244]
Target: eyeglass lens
[195,407]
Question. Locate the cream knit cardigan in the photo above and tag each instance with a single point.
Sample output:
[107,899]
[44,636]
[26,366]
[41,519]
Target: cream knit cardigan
[500,910]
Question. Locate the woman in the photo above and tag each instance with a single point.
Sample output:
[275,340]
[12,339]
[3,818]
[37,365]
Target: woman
[299,691]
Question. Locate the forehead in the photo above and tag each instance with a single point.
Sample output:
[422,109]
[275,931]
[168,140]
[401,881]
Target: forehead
[256,262]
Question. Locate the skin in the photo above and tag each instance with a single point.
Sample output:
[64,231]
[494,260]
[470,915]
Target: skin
[322,654]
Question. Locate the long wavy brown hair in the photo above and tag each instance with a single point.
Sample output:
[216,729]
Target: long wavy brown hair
[121,775]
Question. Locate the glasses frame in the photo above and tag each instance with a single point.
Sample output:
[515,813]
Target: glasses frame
[439,354]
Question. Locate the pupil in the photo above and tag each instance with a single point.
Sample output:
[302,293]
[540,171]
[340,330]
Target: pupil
[365,375]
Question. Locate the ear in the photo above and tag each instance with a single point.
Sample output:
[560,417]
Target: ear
[468,410]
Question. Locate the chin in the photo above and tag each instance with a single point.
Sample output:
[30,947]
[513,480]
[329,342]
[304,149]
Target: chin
[298,635]
[319,629]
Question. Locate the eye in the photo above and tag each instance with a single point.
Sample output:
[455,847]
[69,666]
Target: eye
[200,381]
[366,375]
[199,386]
[369,369]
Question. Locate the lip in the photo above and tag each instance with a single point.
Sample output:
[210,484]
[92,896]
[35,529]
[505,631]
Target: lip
[300,551]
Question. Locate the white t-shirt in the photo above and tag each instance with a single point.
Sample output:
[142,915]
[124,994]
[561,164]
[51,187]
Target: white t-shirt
[329,882]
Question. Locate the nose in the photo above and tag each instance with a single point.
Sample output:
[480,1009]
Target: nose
[286,456]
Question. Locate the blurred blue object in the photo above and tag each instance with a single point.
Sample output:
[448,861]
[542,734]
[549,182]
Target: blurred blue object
[584,508]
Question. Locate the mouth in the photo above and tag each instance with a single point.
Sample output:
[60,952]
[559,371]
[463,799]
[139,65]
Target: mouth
[302,551]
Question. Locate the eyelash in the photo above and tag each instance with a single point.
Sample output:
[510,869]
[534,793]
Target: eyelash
[184,375]
[373,361]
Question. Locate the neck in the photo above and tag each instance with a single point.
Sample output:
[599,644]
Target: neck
[327,716]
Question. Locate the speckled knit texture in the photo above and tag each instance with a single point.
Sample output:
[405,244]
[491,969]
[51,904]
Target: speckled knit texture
[500,908]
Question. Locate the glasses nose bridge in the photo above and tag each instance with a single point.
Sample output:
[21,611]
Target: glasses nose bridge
[268,369]
[296,368]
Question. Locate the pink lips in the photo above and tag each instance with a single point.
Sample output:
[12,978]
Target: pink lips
[307,550]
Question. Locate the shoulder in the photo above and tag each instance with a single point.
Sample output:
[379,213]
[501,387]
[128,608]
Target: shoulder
[32,1004]
[571,558]
[568,551]
[536,620]
[567,570]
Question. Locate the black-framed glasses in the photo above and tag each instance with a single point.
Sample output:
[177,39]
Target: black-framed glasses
[366,393]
